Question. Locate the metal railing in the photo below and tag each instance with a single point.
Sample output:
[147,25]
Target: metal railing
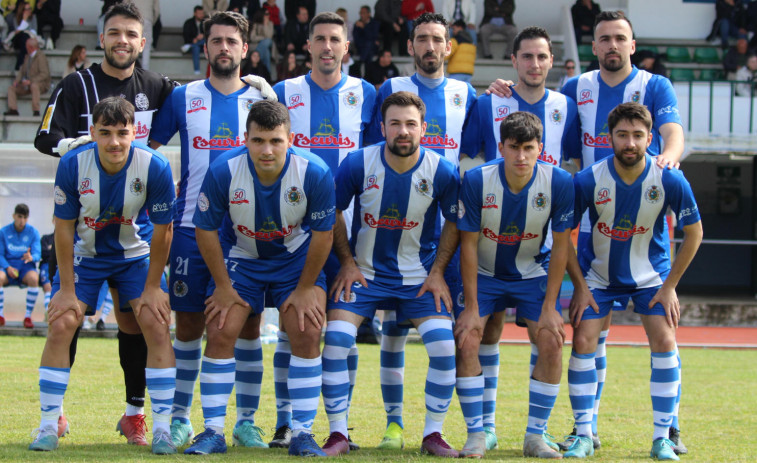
[715,108]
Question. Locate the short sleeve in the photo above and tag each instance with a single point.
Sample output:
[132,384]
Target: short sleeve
[165,124]
[321,211]
[681,198]
[469,203]
[66,193]
[161,193]
[213,200]
[447,187]
[345,182]
[562,201]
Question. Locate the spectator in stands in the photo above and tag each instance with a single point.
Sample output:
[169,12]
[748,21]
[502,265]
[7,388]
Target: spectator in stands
[150,10]
[462,58]
[382,69]
[212,7]
[239,6]
[261,37]
[342,12]
[296,33]
[411,9]
[77,61]
[288,67]
[350,67]
[48,14]
[498,18]
[583,13]
[729,21]
[253,64]
[570,72]
[194,36]
[275,16]
[649,61]
[735,58]
[392,24]
[32,78]
[747,74]
[291,8]
[366,34]
[101,20]
[462,10]
[23,25]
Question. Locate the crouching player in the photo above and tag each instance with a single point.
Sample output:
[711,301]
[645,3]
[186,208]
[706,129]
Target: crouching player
[104,192]
[280,202]
[504,214]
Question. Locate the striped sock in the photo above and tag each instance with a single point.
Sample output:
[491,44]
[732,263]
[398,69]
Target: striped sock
[161,385]
[392,372]
[541,401]
[2,302]
[248,354]
[488,355]
[674,423]
[340,335]
[47,300]
[532,361]
[352,361]
[582,388]
[280,373]
[304,384]
[188,358]
[437,337]
[31,299]
[470,391]
[216,383]
[600,360]
[663,386]
[107,308]
[52,386]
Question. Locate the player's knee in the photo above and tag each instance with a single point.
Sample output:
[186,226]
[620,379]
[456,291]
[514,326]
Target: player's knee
[583,343]
[548,344]
[64,325]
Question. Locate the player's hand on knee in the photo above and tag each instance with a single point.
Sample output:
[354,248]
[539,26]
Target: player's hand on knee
[582,299]
[348,274]
[551,321]
[261,84]
[468,326]
[62,302]
[156,301]
[501,88]
[11,271]
[306,302]
[436,285]
[219,304]
[669,301]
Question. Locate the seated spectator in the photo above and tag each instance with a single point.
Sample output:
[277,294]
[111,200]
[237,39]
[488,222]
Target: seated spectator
[462,58]
[392,24]
[253,64]
[78,60]
[570,72]
[32,78]
[261,37]
[296,33]
[23,25]
[729,21]
[411,9]
[381,70]
[366,34]
[48,14]
[649,61]
[498,19]
[291,8]
[212,7]
[747,74]
[735,58]
[275,16]
[20,251]
[350,67]
[583,13]
[344,15]
[194,36]
[288,67]
[462,10]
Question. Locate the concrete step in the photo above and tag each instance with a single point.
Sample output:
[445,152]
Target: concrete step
[170,38]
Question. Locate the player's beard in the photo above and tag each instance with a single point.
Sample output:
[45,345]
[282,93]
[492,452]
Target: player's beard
[614,66]
[110,57]
[428,67]
[402,151]
[326,70]
[224,71]
[619,155]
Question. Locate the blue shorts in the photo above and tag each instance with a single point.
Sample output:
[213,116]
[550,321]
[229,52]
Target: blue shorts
[189,277]
[617,299]
[527,296]
[44,274]
[127,278]
[263,288]
[23,269]
[366,300]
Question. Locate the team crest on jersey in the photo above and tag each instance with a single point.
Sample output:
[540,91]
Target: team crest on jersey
[293,196]
[556,116]
[59,195]
[202,202]
[196,104]
[137,187]
[370,183]
[353,296]
[85,187]
[460,209]
[540,201]
[350,99]
[423,187]
[239,196]
[248,104]
[460,300]
[584,97]
[295,101]
[141,102]
[180,288]
[603,196]
[502,112]
[456,100]
[653,194]
[636,96]
[490,201]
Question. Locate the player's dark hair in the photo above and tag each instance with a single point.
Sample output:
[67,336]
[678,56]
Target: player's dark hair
[530,33]
[22,209]
[127,10]
[629,112]
[268,115]
[611,16]
[113,110]
[521,127]
[430,18]
[228,18]
[327,17]
[403,99]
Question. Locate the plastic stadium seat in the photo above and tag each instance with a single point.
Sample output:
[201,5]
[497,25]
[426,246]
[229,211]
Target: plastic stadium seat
[678,75]
[707,55]
[585,53]
[710,74]
[678,55]
[651,48]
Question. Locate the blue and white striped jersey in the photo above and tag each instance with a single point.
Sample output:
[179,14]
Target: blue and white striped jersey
[629,246]
[270,223]
[595,100]
[395,214]
[514,228]
[114,213]
[557,113]
[209,124]
[328,123]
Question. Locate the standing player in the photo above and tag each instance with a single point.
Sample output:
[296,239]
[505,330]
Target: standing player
[66,125]
[448,102]
[507,209]
[281,208]
[19,253]
[210,117]
[626,197]
[399,187]
[103,194]
[532,59]
[329,111]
